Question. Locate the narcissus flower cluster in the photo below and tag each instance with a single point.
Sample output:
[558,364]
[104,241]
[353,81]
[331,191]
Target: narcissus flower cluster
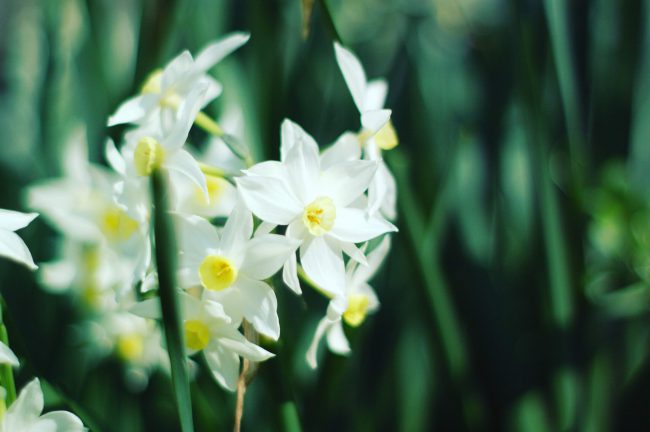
[319,217]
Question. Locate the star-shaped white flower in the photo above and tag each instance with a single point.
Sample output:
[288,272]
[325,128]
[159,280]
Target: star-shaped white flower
[12,246]
[166,89]
[362,300]
[24,414]
[232,266]
[317,202]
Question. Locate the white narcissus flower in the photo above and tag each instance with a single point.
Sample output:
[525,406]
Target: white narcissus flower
[149,147]
[362,300]
[7,356]
[24,414]
[316,201]
[166,89]
[12,246]
[232,266]
[378,133]
[209,330]
[85,206]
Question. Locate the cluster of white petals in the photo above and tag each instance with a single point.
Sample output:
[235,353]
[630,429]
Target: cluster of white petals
[313,215]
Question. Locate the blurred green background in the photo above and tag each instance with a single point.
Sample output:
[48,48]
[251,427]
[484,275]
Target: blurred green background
[516,295]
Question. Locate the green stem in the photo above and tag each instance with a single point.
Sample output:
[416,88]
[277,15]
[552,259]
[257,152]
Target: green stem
[6,371]
[171,318]
[203,121]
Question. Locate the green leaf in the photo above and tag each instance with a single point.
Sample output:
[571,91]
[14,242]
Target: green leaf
[171,317]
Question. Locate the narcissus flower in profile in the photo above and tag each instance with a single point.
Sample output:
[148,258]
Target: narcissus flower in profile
[231,266]
[362,301]
[24,414]
[12,246]
[377,132]
[208,329]
[319,203]
[165,90]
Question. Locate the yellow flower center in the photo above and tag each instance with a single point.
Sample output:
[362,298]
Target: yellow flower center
[386,137]
[117,225]
[217,272]
[197,334]
[357,309]
[148,156]
[129,346]
[216,186]
[319,216]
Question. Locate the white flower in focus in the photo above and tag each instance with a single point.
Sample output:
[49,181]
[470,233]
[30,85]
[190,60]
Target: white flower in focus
[317,204]
[24,414]
[209,330]
[231,266]
[12,246]
[378,132]
[362,300]
[165,90]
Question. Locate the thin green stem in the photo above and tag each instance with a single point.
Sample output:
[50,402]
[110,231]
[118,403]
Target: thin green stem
[6,371]
[171,317]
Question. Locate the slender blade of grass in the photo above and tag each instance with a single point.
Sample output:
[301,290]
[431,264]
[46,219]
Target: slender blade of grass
[171,317]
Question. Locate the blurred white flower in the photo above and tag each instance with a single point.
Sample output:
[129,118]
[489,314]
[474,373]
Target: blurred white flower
[165,90]
[209,330]
[12,246]
[24,414]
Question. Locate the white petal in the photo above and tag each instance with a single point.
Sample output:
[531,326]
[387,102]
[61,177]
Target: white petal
[346,148]
[264,228]
[303,167]
[290,274]
[149,308]
[183,163]
[265,255]
[187,112]
[7,356]
[375,96]
[292,134]
[323,325]
[133,110]
[259,306]
[346,181]
[235,341]
[354,252]
[14,248]
[336,340]
[236,232]
[57,276]
[213,89]
[12,220]
[268,169]
[375,259]
[197,236]
[114,157]
[324,265]
[176,69]
[215,52]
[353,225]
[58,421]
[353,73]
[375,119]
[269,199]
[26,409]
[224,365]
